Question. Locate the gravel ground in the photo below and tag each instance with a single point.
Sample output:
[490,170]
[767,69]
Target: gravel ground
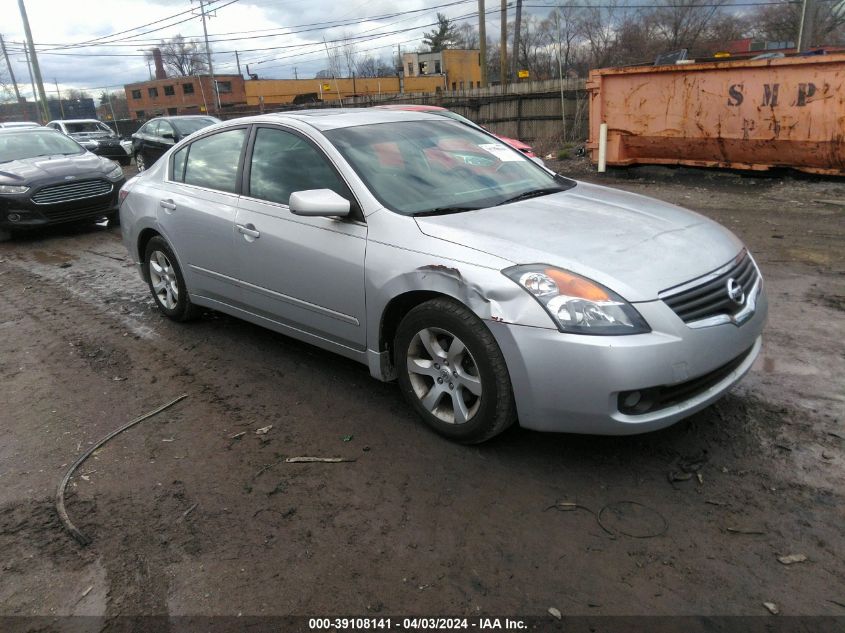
[195,513]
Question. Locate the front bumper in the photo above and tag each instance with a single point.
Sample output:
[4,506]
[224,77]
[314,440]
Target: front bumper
[115,152]
[571,383]
[25,214]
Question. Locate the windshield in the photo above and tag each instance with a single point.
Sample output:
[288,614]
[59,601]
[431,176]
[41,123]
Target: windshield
[81,127]
[416,167]
[21,145]
[189,126]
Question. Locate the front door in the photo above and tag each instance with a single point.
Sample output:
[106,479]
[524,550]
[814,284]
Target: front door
[305,273]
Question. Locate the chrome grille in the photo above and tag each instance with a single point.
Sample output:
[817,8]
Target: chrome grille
[708,296]
[67,192]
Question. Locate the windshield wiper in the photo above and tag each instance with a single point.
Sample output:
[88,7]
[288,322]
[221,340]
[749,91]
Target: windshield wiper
[444,211]
[534,193]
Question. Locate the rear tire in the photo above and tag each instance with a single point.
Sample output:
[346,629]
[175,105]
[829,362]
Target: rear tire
[5,235]
[140,163]
[452,372]
[125,161]
[166,282]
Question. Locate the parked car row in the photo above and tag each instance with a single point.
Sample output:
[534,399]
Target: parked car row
[492,289]
[49,178]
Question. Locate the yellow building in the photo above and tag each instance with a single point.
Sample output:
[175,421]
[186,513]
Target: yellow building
[275,91]
[423,72]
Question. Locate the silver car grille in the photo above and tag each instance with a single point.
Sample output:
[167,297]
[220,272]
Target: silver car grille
[709,296]
[67,192]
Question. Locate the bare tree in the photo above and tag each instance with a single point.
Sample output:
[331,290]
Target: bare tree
[563,26]
[182,57]
[780,22]
[683,23]
[74,93]
[598,29]
[348,53]
[370,66]
[466,36]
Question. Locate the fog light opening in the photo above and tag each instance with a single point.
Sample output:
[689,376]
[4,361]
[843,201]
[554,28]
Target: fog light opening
[632,399]
[14,217]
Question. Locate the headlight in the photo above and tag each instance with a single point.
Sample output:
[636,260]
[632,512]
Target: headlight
[13,189]
[91,144]
[115,174]
[576,304]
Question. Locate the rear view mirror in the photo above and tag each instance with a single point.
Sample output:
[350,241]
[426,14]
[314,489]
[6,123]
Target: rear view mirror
[318,202]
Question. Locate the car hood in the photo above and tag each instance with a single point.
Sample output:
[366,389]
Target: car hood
[46,167]
[635,245]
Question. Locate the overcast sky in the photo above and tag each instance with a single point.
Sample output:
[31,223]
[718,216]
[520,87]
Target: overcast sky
[295,27]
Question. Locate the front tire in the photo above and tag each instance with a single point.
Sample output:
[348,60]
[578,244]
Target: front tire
[166,282]
[452,372]
[124,160]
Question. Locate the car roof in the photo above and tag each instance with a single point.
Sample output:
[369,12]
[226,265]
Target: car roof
[182,117]
[334,118]
[75,121]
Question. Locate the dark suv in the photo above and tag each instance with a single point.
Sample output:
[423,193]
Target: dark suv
[95,136]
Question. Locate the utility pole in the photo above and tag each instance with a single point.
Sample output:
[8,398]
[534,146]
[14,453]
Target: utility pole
[516,28]
[238,62]
[482,42]
[208,56]
[35,69]
[503,46]
[11,71]
[31,78]
[295,76]
[59,97]
[807,25]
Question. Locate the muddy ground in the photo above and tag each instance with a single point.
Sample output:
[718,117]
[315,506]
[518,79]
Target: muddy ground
[193,512]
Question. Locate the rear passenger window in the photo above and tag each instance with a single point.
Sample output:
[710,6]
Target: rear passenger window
[213,161]
[283,163]
[179,157]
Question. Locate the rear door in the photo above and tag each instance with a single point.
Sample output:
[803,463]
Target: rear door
[197,211]
[303,272]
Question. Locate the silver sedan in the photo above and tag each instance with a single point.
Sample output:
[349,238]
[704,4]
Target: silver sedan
[491,289]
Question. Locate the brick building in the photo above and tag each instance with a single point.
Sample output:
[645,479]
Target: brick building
[172,96]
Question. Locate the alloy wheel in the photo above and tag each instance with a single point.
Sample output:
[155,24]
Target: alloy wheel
[139,162]
[444,375]
[163,278]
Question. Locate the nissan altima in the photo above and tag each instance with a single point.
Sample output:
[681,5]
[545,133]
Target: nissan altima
[493,290]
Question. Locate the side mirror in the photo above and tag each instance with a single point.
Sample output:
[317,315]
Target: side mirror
[318,202]
[168,135]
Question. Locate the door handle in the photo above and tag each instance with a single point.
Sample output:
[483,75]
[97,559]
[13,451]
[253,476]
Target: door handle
[248,230]
[167,204]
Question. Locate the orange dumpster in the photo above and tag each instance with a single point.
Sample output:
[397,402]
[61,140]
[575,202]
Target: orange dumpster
[787,112]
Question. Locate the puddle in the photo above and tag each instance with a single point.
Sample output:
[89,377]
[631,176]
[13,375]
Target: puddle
[52,257]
